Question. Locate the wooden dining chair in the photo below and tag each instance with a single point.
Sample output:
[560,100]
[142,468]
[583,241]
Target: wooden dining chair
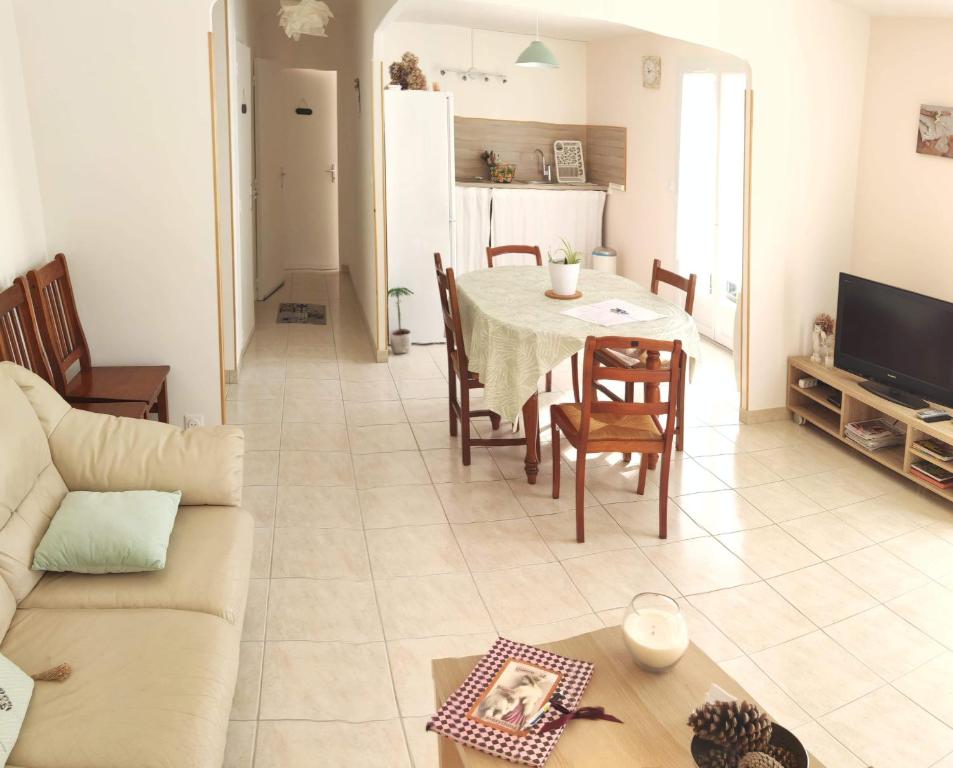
[533,250]
[20,344]
[595,426]
[458,372]
[65,345]
[626,358]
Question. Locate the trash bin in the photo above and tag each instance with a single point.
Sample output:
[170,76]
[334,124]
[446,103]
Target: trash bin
[604,260]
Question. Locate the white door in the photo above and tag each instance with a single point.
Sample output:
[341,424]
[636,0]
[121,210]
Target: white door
[269,154]
[243,189]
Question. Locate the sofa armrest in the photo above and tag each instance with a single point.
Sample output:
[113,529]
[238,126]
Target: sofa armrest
[94,452]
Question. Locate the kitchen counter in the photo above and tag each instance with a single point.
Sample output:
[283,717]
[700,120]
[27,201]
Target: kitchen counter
[523,184]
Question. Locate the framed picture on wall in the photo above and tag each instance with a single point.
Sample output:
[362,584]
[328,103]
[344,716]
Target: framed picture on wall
[935,134]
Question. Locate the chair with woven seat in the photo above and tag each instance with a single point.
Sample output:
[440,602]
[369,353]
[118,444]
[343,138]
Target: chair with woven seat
[533,250]
[633,358]
[597,426]
[65,345]
[20,344]
[458,371]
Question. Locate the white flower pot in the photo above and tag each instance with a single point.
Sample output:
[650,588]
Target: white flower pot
[564,277]
[400,342]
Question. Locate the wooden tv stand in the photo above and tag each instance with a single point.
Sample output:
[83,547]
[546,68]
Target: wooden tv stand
[857,404]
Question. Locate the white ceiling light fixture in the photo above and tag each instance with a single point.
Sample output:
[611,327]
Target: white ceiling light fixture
[537,54]
[304,17]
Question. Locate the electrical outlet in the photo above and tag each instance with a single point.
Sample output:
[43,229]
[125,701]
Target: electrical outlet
[194,420]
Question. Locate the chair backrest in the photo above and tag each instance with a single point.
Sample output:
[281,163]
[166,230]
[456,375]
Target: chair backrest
[58,320]
[687,284]
[449,302]
[19,337]
[499,250]
[594,372]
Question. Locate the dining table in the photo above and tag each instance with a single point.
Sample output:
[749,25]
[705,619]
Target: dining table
[514,334]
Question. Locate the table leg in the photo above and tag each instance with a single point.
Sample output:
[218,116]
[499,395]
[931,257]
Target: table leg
[531,430]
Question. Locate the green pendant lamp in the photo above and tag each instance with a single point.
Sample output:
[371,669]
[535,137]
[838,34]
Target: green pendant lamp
[537,54]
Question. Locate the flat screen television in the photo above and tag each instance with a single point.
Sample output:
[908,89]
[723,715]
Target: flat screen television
[900,340]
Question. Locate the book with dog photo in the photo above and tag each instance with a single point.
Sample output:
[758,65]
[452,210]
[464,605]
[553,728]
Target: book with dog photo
[508,698]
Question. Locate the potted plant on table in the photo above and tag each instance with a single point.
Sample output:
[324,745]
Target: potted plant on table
[564,271]
[400,338]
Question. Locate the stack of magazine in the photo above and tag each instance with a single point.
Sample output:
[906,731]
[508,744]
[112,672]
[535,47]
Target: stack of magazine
[932,474]
[874,434]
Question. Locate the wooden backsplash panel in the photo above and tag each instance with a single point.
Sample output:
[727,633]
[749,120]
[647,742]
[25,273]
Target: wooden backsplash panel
[516,142]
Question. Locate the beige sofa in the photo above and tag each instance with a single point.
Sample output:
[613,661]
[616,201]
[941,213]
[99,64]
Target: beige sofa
[154,655]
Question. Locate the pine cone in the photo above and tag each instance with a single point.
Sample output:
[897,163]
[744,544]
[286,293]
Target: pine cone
[785,757]
[737,725]
[758,760]
[718,757]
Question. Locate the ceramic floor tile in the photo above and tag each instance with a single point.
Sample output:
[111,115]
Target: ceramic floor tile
[304,369]
[424,606]
[253,628]
[555,631]
[323,610]
[602,533]
[762,437]
[368,391]
[446,466]
[327,681]
[365,371]
[616,484]
[406,505]
[713,642]
[365,414]
[822,594]
[640,520]
[826,748]
[261,553]
[707,441]
[479,501]
[423,744]
[317,411]
[931,686]
[377,470]
[799,459]
[886,728]
[530,596]
[929,608]
[769,551]
[538,499]
[261,468]
[253,411]
[434,434]
[320,553]
[700,565]
[689,476]
[414,367]
[315,468]
[309,506]
[836,488]
[501,544]
[240,744]
[817,673]
[289,744]
[768,694]
[738,470]
[826,535]
[611,579]
[312,389]
[924,551]
[307,436]
[722,511]
[422,388]
[430,409]
[780,501]
[879,518]
[260,501]
[416,550]
[381,438]
[248,684]
[879,573]
[262,437]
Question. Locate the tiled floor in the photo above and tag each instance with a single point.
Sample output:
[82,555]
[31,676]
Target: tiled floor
[823,584]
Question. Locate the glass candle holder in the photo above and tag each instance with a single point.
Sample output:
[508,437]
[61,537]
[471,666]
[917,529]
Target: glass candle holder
[655,631]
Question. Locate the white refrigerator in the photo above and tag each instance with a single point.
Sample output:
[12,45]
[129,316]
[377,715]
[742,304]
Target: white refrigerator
[419,184]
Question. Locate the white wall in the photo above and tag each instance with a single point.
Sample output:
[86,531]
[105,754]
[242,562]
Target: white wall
[903,231]
[121,117]
[545,95]
[22,234]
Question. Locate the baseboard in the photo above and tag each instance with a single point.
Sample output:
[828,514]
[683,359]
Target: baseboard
[382,356]
[231,376]
[763,415]
[344,269]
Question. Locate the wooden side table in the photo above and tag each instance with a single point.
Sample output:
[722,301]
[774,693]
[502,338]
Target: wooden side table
[654,708]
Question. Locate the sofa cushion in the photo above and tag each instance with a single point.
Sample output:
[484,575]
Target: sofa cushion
[207,569]
[150,689]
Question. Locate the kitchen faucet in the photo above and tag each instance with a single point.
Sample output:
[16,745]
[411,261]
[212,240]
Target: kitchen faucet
[545,168]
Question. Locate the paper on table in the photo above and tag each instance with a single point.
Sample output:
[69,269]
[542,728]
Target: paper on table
[612,312]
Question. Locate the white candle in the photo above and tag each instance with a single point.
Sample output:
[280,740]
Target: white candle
[656,638]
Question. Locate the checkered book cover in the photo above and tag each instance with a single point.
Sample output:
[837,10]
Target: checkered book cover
[533,748]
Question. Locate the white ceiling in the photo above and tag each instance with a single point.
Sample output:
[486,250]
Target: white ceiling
[504,18]
[923,8]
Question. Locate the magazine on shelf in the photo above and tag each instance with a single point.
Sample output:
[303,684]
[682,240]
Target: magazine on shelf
[935,448]
[874,434]
[932,472]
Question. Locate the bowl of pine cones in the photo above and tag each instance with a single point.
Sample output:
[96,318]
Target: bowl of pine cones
[737,734]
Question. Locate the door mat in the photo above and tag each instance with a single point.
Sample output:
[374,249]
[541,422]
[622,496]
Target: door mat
[311,314]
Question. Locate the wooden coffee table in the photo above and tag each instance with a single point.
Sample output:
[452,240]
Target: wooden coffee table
[654,708]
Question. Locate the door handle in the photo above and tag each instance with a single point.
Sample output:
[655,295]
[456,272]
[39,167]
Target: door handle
[333,171]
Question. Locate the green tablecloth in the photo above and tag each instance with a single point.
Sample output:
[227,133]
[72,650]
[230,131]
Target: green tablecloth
[514,333]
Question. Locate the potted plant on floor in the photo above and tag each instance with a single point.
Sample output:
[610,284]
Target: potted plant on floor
[400,339]
[564,271]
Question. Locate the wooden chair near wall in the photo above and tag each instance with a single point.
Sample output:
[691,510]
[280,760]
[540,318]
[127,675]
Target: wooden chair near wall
[65,346]
[20,344]
[595,426]
[627,358]
[533,250]
[458,372]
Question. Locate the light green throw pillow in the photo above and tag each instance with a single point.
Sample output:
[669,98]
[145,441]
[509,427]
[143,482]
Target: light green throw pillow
[109,532]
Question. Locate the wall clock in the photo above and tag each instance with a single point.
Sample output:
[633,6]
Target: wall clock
[651,71]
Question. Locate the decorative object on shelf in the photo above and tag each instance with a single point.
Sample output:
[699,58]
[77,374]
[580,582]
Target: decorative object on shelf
[570,165]
[400,338]
[823,339]
[651,71]
[935,135]
[407,73]
[655,631]
[500,172]
[564,272]
[537,54]
[304,17]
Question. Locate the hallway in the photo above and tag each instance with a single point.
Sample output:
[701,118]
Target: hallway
[376,551]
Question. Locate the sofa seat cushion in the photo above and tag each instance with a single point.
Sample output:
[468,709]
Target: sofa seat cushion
[207,570]
[150,688]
